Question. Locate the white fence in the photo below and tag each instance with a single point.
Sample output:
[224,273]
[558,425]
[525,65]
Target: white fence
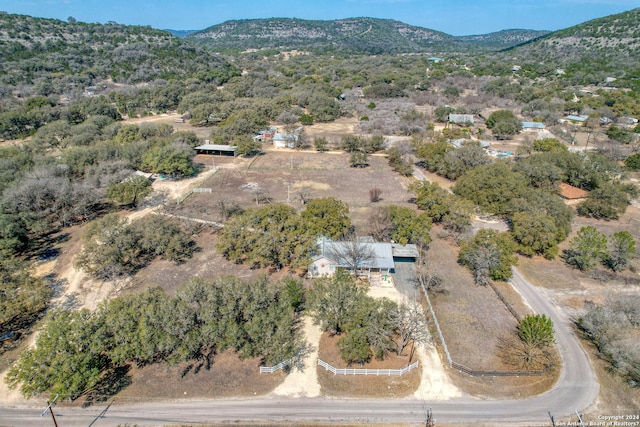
[201,190]
[378,372]
[272,369]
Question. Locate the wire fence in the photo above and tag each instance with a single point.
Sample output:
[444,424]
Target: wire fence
[435,321]
[504,301]
[377,372]
[474,373]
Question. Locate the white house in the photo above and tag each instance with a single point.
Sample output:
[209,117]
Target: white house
[381,262]
[284,140]
[532,126]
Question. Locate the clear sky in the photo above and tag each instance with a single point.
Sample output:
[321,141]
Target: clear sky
[455,17]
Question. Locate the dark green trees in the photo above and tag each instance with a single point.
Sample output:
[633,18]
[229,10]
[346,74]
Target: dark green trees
[586,249]
[114,247]
[504,124]
[77,349]
[130,191]
[489,255]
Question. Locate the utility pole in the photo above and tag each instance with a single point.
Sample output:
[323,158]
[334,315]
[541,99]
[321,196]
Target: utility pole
[431,422]
[50,409]
[579,418]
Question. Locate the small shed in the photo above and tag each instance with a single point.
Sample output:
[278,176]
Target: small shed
[285,140]
[404,253]
[571,194]
[217,150]
[461,119]
[532,126]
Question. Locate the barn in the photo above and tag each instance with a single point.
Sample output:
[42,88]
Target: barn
[217,150]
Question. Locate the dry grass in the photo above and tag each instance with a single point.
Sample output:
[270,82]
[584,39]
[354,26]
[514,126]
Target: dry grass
[473,322]
[472,317]
[365,385]
[206,264]
[503,387]
[228,376]
[572,289]
[284,172]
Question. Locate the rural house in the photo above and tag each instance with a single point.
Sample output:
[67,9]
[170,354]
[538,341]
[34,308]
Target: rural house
[576,120]
[532,126]
[380,263]
[285,140]
[458,143]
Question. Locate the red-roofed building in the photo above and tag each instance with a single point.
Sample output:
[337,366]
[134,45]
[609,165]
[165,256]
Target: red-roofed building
[571,194]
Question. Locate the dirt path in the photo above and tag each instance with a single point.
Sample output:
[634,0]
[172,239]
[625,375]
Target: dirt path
[304,382]
[434,382]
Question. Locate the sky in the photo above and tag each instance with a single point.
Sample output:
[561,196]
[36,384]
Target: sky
[455,17]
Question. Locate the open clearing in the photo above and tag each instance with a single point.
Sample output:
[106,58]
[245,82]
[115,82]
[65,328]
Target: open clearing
[285,172]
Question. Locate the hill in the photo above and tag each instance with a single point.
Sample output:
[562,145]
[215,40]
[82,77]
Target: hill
[503,39]
[610,44]
[352,35]
[48,56]
[181,33]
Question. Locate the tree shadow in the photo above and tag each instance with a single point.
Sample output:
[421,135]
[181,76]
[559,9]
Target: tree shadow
[113,382]
[43,248]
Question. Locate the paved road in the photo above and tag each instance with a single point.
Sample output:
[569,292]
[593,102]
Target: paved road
[576,388]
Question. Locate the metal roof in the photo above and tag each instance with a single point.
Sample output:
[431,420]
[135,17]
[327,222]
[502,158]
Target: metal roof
[215,147]
[532,125]
[382,253]
[404,251]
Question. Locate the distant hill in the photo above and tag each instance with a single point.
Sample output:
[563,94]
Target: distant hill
[608,43]
[60,57]
[353,35]
[181,33]
[503,39]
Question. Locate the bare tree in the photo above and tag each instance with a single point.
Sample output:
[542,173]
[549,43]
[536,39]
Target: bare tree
[226,207]
[352,254]
[410,325]
[259,192]
[304,195]
[482,260]
[374,194]
[431,278]
[380,223]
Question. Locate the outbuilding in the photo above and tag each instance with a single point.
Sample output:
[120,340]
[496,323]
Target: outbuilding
[532,126]
[217,150]
[571,194]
